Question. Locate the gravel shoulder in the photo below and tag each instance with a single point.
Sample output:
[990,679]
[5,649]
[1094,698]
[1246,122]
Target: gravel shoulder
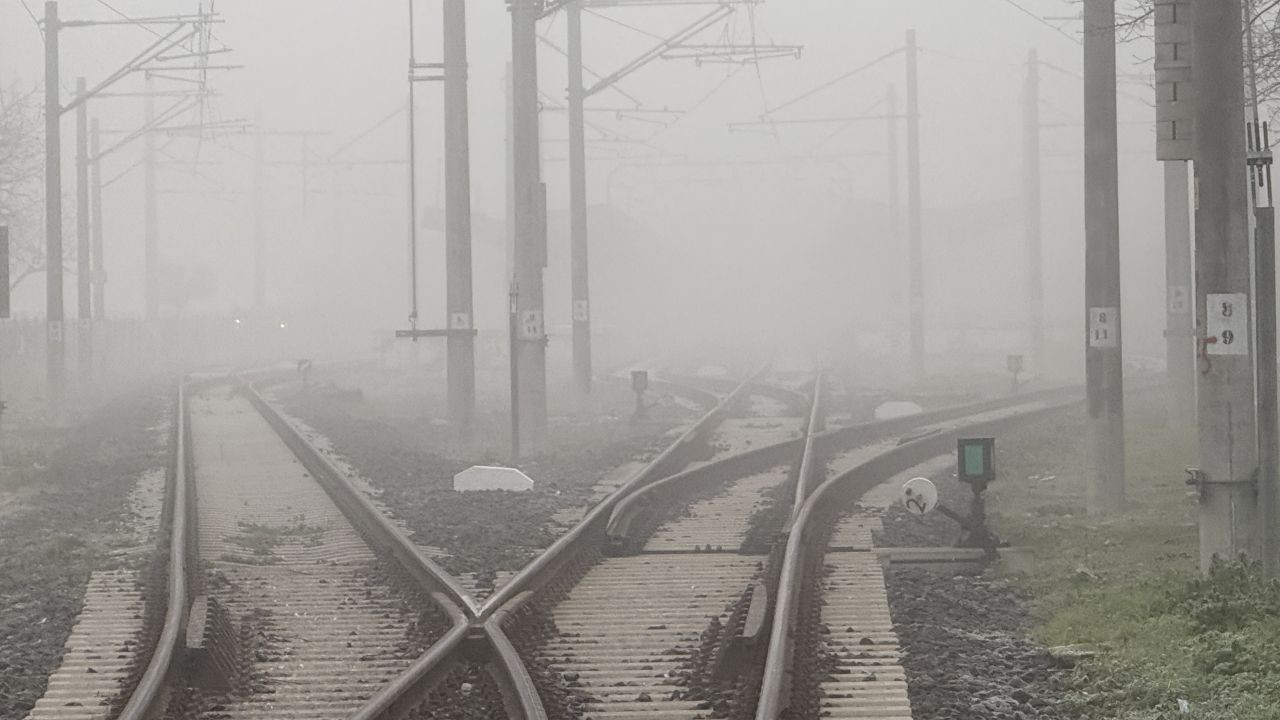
[400,446]
[969,642]
[68,507]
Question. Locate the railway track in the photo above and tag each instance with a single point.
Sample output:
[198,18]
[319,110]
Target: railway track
[695,589]
[832,648]
[658,604]
[287,594]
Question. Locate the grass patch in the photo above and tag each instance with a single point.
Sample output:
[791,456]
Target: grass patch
[262,540]
[1130,584]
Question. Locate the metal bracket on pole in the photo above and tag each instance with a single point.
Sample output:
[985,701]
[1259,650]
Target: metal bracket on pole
[1200,480]
[414,334]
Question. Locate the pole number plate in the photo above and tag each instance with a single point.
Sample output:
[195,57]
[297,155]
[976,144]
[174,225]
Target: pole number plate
[1179,300]
[1227,325]
[531,325]
[1104,327]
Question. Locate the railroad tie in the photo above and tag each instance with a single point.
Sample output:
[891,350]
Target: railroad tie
[869,682]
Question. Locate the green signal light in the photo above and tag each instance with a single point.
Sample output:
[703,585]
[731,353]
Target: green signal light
[976,460]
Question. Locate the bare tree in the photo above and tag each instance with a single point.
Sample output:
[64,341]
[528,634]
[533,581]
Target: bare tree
[21,182]
[1135,20]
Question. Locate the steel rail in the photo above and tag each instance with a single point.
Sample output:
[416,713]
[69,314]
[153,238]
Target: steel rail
[485,621]
[814,445]
[146,699]
[808,458]
[795,400]
[360,510]
[824,502]
[536,573]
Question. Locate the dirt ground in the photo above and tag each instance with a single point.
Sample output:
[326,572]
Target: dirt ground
[64,512]
[391,433]
[966,639]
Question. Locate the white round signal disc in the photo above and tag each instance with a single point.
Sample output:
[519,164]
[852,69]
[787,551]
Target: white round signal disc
[919,496]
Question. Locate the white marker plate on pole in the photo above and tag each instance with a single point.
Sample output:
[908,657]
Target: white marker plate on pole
[531,325]
[1104,327]
[1179,299]
[1228,324]
[919,496]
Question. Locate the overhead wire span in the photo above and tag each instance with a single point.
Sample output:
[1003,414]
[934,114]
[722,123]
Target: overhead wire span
[698,104]
[842,128]
[1019,7]
[31,15]
[834,81]
[628,26]
[1078,76]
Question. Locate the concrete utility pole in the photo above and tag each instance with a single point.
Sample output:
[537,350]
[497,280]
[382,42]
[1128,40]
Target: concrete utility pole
[914,223]
[95,223]
[457,193]
[84,306]
[895,192]
[1032,212]
[530,222]
[1175,121]
[460,333]
[1104,369]
[1228,434]
[1264,258]
[55,343]
[1180,331]
[259,228]
[150,223]
[509,185]
[578,204]
[1268,422]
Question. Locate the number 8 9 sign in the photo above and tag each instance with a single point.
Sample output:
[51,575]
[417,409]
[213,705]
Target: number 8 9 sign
[919,496]
[1227,323]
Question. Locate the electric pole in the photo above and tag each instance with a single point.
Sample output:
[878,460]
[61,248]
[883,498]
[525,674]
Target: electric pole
[259,228]
[530,222]
[915,240]
[895,195]
[1103,347]
[578,204]
[461,341]
[1228,437]
[1180,331]
[55,358]
[1264,259]
[677,45]
[460,331]
[1175,120]
[150,223]
[1031,188]
[84,308]
[95,203]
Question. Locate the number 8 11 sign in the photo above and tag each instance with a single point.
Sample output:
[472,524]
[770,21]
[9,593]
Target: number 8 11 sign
[1104,327]
[1227,324]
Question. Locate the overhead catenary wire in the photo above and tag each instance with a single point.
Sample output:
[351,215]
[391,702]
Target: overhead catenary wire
[834,81]
[698,104]
[35,20]
[628,26]
[1018,6]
